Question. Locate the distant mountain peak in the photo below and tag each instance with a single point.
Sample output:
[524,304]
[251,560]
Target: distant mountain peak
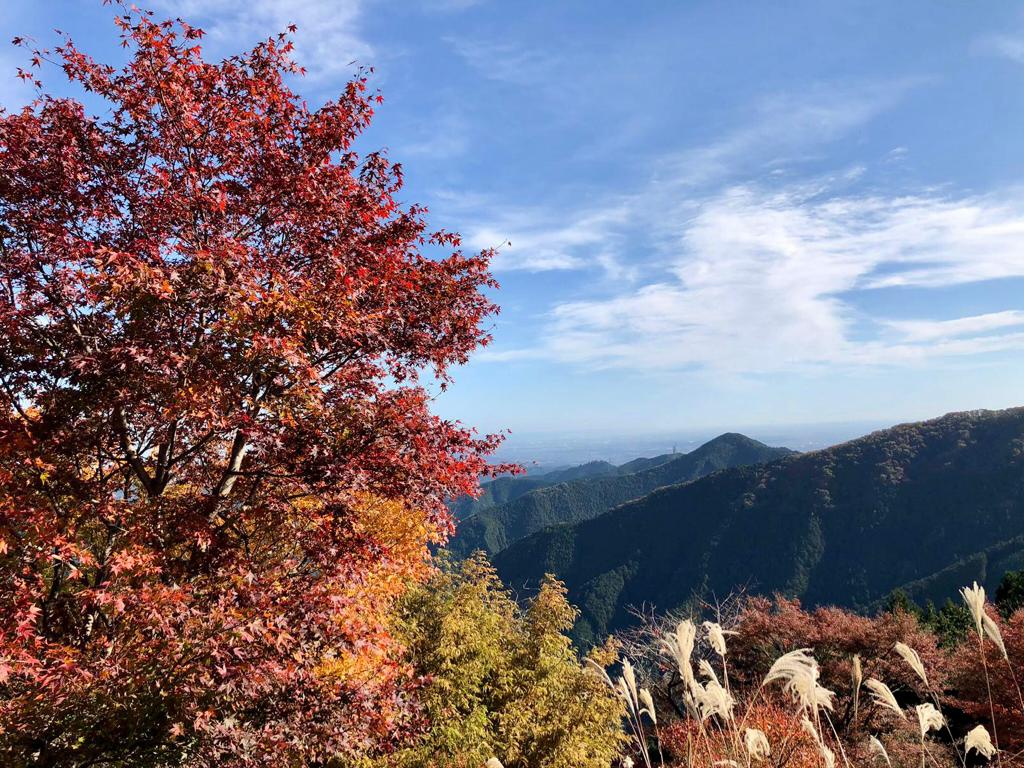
[494,527]
[845,525]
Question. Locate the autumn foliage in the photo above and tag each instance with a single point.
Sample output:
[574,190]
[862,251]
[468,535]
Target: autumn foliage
[826,687]
[969,689]
[217,459]
[768,628]
[502,680]
[682,743]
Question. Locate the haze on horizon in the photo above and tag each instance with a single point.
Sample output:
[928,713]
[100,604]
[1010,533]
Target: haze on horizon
[719,213]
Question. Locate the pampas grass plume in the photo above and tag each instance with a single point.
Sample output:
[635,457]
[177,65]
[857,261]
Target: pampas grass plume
[647,704]
[974,596]
[928,718]
[876,747]
[883,696]
[679,646]
[913,660]
[979,740]
[756,744]
[716,636]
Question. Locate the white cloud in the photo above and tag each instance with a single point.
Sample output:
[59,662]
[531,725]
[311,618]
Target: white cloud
[444,136]
[765,281]
[546,240]
[327,41]
[1008,46]
[973,326]
[767,276]
[897,155]
[450,6]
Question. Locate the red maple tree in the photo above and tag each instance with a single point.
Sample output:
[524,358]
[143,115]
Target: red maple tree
[216,319]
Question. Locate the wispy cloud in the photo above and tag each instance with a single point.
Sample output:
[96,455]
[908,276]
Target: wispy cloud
[784,126]
[534,241]
[553,237]
[451,6]
[974,326]
[1007,46]
[442,137]
[505,62]
[328,38]
[767,281]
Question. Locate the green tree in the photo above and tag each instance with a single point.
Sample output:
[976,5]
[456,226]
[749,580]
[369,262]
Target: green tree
[949,623]
[503,682]
[899,601]
[1010,594]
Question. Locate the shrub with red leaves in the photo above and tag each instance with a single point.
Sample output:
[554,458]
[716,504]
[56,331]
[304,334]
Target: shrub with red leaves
[970,693]
[684,744]
[767,629]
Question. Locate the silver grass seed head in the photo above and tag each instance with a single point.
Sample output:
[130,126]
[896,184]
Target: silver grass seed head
[875,747]
[678,646]
[712,699]
[883,696]
[756,743]
[630,677]
[993,634]
[974,597]
[706,670]
[716,636]
[798,672]
[928,718]
[913,660]
[647,705]
[979,740]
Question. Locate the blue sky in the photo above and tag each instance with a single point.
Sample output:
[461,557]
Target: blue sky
[720,213]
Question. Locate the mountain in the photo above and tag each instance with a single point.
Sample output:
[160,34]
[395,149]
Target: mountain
[926,506]
[492,529]
[505,489]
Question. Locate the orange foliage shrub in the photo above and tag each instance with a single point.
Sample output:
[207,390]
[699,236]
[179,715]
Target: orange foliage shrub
[401,558]
[684,745]
[767,629]
[762,631]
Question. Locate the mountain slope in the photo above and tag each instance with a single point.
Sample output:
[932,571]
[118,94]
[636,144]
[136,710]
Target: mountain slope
[502,490]
[840,526]
[505,489]
[495,528]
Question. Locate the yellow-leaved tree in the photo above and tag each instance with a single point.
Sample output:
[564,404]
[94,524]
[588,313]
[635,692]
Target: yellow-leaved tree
[501,681]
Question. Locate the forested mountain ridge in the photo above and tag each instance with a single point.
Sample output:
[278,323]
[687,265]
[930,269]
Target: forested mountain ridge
[510,487]
[492,529]
[842,526]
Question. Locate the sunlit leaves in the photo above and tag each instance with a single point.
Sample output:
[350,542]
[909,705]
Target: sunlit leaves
[217,460]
